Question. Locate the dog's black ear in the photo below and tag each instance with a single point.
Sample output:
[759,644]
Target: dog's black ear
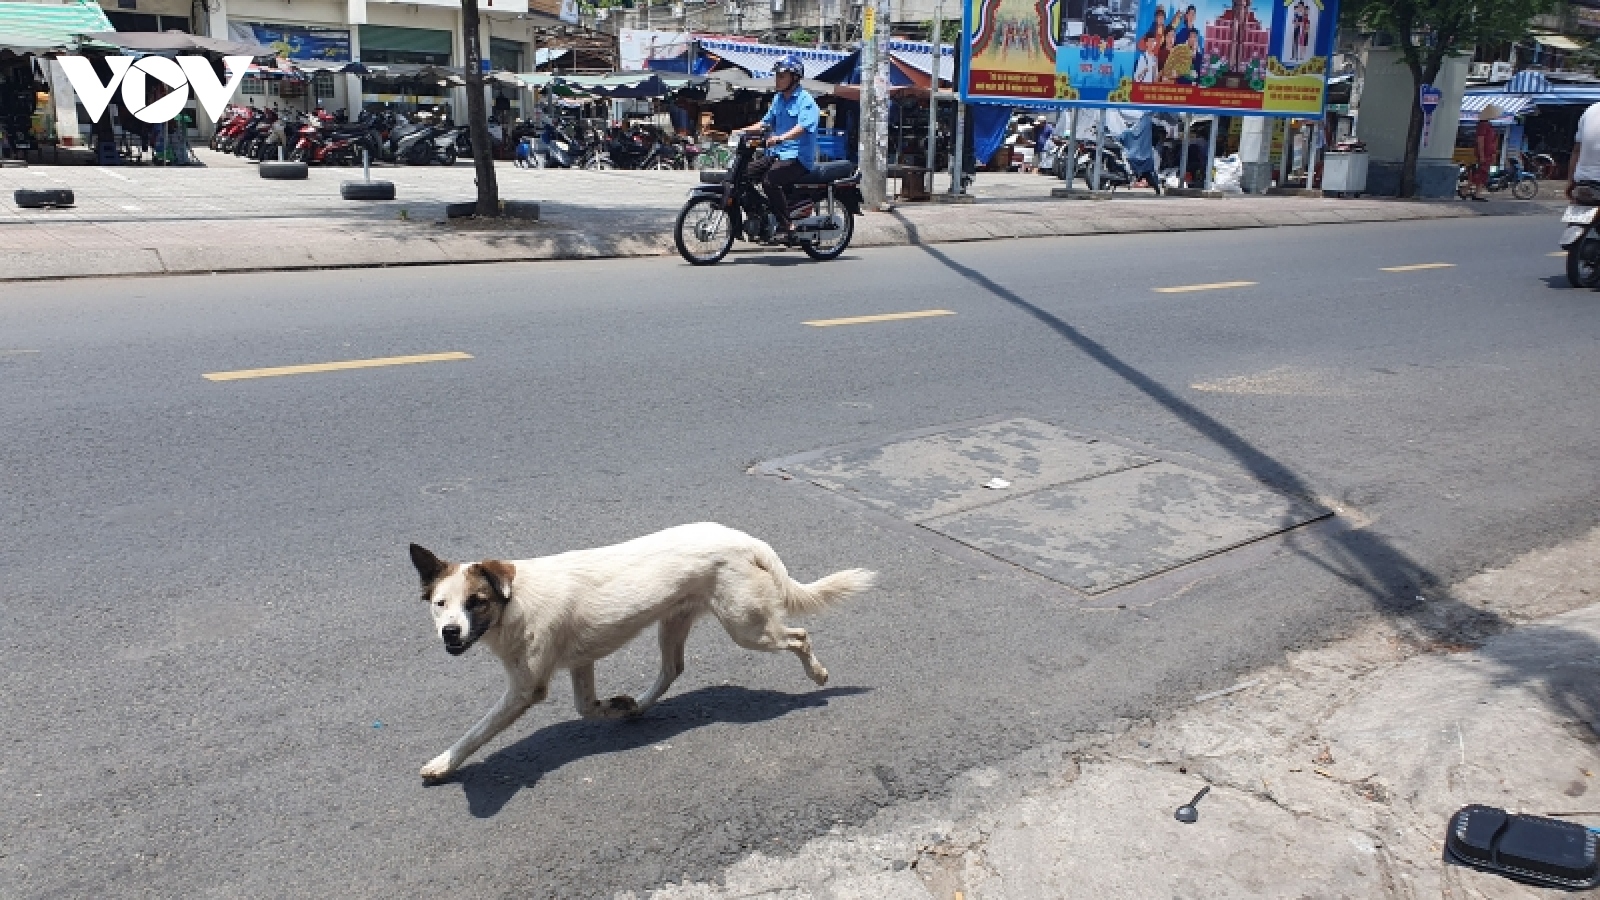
[430,567]
[499,574]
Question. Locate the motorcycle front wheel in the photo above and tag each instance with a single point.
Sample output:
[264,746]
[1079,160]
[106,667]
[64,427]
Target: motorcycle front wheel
[832,247]
[1525,189]
[704,233]
[447,157]
[1583,262]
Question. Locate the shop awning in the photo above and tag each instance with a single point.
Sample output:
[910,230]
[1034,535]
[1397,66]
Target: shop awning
[39,26]
[1510,106]
[919,56]
[179,42]
[758,59]
[1557,41]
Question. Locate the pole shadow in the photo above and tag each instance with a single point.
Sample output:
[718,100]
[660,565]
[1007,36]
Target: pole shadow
[1359,557]
[491,783]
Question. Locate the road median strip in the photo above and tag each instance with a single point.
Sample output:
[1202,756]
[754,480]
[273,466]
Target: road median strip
[241,374]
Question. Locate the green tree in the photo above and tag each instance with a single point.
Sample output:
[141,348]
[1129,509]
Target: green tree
[1427,32]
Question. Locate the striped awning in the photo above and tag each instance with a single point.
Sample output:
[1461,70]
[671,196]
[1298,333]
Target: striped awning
[758,59]
[1510,106]
[919,56]
[40,26]
[1528,82]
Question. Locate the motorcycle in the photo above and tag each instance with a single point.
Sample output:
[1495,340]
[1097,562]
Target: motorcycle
[1523,183]
[724,206]
[1579,239]
[1114,169]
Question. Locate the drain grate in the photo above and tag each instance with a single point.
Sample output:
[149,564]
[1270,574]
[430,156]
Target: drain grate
[1085,513]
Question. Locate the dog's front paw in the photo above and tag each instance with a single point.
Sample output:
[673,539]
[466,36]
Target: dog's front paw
[820,676]
[437,768]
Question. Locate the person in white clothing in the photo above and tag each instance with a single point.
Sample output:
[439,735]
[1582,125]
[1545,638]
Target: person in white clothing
[1585,164]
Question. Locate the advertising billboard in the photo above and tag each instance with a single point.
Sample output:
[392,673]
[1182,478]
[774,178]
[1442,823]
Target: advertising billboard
[302,42]
[1265,57]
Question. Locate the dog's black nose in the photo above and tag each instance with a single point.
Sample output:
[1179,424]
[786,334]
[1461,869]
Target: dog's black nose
[452,633]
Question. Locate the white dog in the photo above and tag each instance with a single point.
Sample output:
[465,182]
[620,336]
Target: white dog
[568,610]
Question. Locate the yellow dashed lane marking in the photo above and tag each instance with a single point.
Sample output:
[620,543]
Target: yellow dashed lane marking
[1221,285]
[1418,267]
[886,317]
[336,366]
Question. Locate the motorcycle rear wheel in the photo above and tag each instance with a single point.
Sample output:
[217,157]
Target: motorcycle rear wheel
[704,233]
[1583,262]
[832,249]
[448,157]
[1525,189]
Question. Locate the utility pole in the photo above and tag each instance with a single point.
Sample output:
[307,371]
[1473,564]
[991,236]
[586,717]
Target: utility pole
[873,147]
[478,113]
[936,48]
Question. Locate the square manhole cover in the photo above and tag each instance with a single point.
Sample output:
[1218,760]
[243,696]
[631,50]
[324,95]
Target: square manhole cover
[1085,513]
[942,473]
[1106,532]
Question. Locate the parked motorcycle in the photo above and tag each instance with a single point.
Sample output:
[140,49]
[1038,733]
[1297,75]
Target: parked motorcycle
[1522,183]
[1114,169]
[731,205]
[1579,239]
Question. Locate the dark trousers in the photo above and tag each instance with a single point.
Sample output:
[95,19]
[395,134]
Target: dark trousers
[777,176]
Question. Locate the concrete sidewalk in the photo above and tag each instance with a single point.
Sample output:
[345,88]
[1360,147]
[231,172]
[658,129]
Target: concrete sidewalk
[224,217]
[1332,775]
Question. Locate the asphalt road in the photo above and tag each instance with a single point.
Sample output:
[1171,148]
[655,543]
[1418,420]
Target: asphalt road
[219,680]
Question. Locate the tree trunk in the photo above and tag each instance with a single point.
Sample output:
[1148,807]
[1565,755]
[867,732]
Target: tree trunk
[478,114]
[1408,168]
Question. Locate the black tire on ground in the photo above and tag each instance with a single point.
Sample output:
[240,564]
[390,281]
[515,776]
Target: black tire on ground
[1583,262]
[367,190]
[834,249]
[460,210]
[285,171]
[710,226]
[30,199]
[520,209]
[1525,190]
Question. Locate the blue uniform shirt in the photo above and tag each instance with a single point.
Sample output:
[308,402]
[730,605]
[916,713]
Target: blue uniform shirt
[787,112]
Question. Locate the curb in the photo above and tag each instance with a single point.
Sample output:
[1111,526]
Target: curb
[876,231]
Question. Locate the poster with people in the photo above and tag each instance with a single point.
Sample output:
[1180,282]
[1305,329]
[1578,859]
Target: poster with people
[1264,56]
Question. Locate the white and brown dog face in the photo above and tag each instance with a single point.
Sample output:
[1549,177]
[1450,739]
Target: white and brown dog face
[466,599]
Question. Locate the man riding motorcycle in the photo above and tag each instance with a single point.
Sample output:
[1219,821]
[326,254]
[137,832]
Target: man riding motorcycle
[793,118]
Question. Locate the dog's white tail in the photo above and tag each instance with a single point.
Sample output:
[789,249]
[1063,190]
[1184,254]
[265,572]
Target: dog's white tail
[818,595]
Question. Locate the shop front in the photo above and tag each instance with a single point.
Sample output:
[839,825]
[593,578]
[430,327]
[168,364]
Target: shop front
[38,108]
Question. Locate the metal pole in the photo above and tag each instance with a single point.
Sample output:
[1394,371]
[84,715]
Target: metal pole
[1070,170]
[933,93]
[1183,153]
[1211,153]
[1099,142]
[366,166]
[1284,157]
[955,151]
